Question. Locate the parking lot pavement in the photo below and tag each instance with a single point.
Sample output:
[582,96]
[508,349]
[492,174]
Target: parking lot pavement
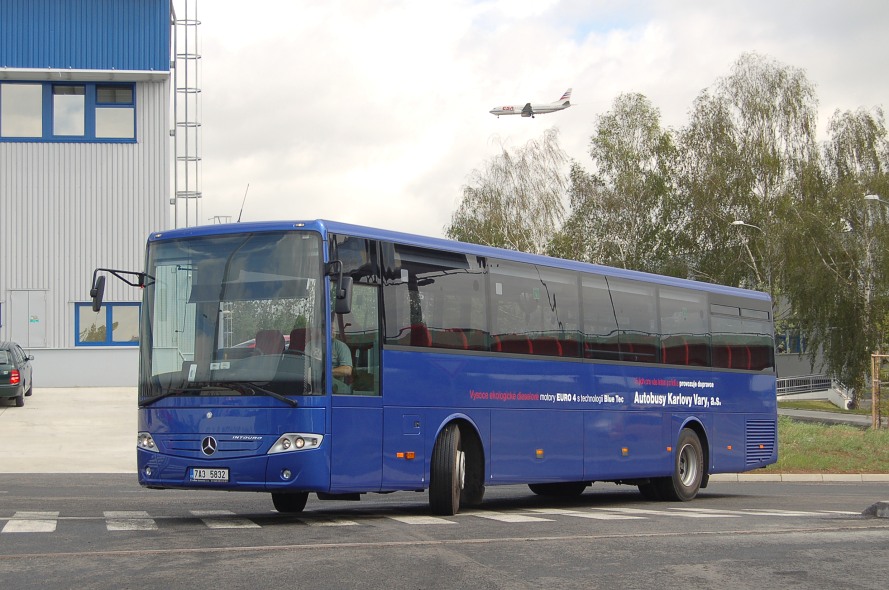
[70,430]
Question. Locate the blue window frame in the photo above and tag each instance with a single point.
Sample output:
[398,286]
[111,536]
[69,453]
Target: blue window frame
[92,328]
[85,112]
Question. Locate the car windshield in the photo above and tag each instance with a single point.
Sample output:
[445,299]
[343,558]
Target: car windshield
[233,309]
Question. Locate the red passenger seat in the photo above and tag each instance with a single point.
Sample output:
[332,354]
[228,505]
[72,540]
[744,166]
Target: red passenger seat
[269,342]
[547,346]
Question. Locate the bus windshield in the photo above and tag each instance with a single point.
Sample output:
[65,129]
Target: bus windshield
[237,314]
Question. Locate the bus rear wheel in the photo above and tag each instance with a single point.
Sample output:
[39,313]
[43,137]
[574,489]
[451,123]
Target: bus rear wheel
[688,469]
[448,472]
[290,502]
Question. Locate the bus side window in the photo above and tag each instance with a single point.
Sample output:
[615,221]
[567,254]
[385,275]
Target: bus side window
[435,299]
[635,308]
[685,338]
[360,332]
[534,310]
[599,324]
[360,328]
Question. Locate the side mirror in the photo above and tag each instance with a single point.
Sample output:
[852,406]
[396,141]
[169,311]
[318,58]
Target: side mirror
[98,292]
[343,302]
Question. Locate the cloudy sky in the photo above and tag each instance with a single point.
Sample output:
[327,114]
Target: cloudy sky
[375,112]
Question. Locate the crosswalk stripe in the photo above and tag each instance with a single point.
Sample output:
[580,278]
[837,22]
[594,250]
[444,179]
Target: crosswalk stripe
[768,512]
[502,517]
[321,521]
[591,515]
[32,522]
[421,520]
[223,519]
[643,511]
[129,520]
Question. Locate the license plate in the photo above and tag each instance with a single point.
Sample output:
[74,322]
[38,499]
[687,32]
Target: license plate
[216,474]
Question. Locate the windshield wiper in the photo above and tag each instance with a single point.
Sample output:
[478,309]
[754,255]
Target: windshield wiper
[242,387]
[251,388]
[169,393]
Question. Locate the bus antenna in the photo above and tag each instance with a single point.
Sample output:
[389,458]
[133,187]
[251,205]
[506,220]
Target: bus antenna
[241,212]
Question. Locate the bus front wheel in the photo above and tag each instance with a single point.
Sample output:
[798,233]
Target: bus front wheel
[290,502]
[688,469]
[448,472]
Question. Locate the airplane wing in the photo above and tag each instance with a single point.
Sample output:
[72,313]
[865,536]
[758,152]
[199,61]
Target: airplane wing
[528,111]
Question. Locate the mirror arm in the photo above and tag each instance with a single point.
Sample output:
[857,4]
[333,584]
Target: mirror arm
[97,289]
[123,274]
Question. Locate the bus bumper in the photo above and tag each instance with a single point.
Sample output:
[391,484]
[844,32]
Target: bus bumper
[297,471]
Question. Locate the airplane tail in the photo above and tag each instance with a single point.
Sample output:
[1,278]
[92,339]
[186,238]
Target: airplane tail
[566,98]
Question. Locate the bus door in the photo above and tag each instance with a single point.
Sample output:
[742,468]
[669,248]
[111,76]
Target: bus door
[357,407]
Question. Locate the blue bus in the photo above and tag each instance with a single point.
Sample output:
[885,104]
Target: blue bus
[320,357]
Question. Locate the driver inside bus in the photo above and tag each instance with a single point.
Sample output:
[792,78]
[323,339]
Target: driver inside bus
[340,361]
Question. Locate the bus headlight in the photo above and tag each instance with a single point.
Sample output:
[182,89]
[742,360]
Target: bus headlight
[145,442]
[296,441]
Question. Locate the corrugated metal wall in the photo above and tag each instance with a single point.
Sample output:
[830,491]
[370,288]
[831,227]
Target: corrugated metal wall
[66,208]
[85,34]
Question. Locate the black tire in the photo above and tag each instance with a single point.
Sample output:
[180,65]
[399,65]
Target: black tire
[20,401]
[289,503]
[569,489]
[448,472]
[30,390]
[688,469]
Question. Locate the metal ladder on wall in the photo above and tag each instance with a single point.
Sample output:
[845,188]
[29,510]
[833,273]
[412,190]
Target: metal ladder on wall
[187,116]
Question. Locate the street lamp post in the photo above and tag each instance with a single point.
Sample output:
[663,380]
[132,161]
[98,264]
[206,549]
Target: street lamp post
[876,421]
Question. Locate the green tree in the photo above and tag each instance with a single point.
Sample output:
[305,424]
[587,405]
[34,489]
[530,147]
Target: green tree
[746,153]
[624,213]
[516,201]
[836,276]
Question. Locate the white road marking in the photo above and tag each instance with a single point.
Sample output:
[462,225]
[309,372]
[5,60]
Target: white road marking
[129,520]
[32,522]
[592,515]
[324,521]
[421,520]
[223,519]
[691,514]
[504,517]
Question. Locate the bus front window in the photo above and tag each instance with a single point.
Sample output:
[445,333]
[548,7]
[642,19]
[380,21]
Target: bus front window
[224,311]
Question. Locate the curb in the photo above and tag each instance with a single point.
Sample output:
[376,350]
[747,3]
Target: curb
[801,477]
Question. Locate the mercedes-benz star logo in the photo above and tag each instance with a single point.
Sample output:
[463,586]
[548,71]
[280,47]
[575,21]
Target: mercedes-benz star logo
[209,445]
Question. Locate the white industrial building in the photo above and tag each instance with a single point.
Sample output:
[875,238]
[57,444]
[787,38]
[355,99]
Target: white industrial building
[86,153]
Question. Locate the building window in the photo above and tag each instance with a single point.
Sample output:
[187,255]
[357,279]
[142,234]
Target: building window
[66,112]
[21,110]
[92,328]
[115,112]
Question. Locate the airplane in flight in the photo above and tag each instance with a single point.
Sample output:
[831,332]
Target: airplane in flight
[529,110]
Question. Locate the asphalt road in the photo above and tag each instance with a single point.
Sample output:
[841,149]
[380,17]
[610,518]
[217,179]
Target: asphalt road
[104,531]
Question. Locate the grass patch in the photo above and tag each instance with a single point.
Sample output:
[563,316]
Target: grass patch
[805,447]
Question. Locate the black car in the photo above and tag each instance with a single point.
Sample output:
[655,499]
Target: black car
[15,373]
